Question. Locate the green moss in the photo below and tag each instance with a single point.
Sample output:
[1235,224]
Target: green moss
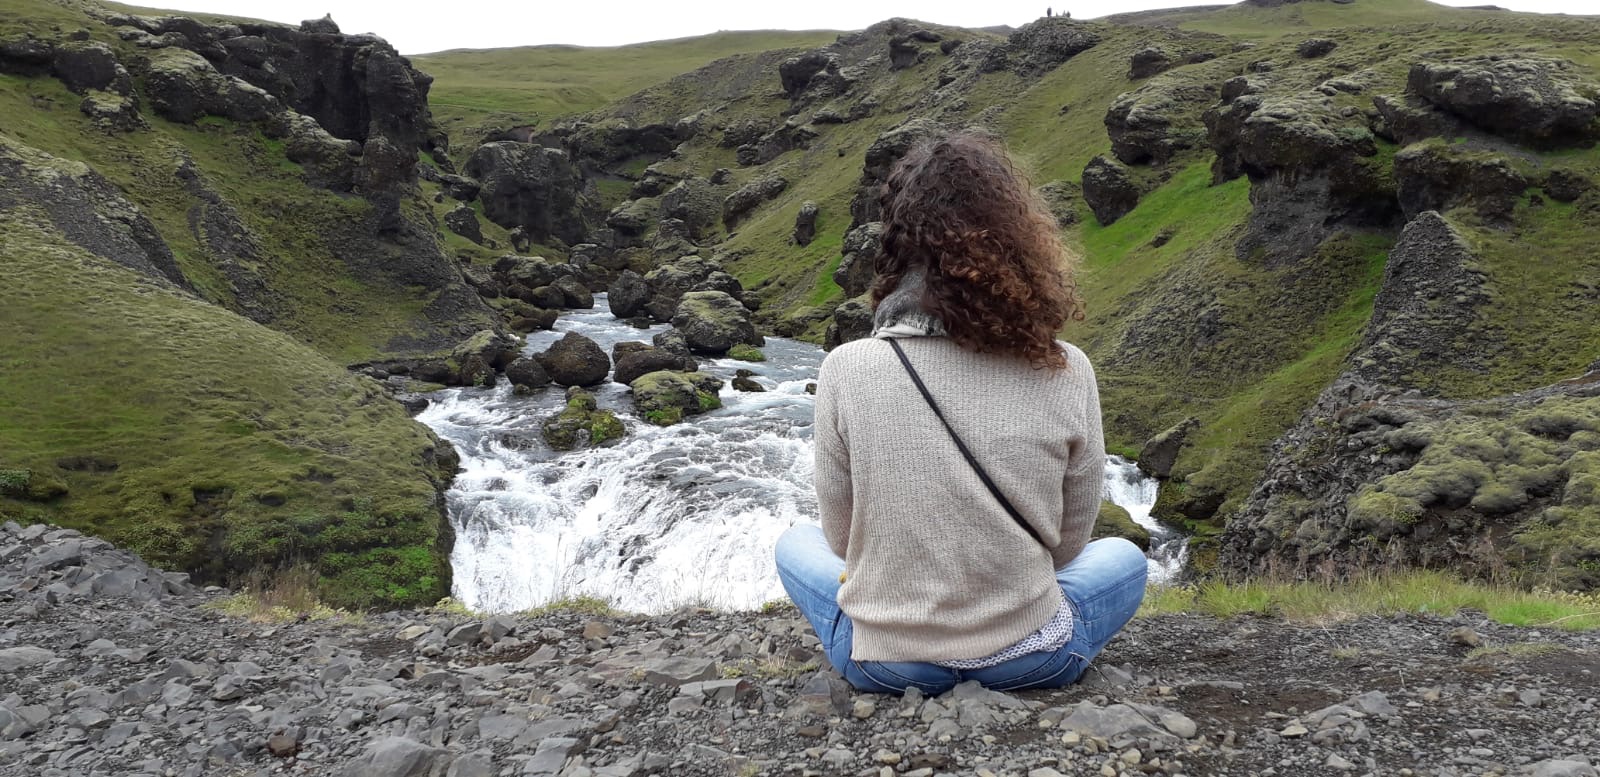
[746,353]
[1113,521]
[665,416]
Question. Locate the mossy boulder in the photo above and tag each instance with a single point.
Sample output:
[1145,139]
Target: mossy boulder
[526,375]
[1113,521]
[475,361]
[664,398]
[581,424]
[712,322]
[574,294]
[638,362]
[575,360]
[746,353]
[628,295]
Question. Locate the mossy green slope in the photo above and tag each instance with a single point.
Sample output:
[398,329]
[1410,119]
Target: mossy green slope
[204,441]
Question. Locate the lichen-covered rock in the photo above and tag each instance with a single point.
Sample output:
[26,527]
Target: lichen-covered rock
[742,381]
[1041,46]
[1148,61]
[634,217]
[750,196]
[861,248]
[813,75]
[791,135]
[90,65]
[581,424]
[1156,121]
[669,282]
[664,398]
[1109,190]
[575,360]
[330,163]
[574,294]
[695,202]
[852,320]
[713,322]
[1313,169]
[1062,198]
[112,112]
[528,186]
[805,223]
[1406,120]
[1439,177]
[184,87]
[475,360]
[1538,101]
[463,220]
[1566,185]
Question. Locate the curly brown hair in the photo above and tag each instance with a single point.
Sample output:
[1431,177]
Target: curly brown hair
[997,275]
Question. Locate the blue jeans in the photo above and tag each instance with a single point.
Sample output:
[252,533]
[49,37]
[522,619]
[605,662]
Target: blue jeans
[1104,586]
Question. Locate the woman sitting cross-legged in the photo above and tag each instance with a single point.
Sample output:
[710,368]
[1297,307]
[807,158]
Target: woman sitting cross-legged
[958,452]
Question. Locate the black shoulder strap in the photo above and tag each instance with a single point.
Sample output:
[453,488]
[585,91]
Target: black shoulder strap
[962,446]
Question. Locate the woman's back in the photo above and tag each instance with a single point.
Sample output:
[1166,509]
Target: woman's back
[889,475]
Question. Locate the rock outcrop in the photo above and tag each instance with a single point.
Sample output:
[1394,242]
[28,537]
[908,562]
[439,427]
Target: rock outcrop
[531,187]
[1538,101]
[1109,190]
[713,322]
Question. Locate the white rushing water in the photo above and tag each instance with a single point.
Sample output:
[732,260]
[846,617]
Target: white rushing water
[665,517]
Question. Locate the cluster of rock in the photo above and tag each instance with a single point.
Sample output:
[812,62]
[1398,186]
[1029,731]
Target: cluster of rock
[110,667]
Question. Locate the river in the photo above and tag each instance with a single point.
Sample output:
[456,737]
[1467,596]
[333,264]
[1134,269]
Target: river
[666,517]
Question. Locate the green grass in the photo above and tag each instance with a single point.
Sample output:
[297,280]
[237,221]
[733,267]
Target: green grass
[1411,592]
[237,447]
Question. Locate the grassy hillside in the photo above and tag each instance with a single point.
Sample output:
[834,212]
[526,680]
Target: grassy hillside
[201,440]
[537,84]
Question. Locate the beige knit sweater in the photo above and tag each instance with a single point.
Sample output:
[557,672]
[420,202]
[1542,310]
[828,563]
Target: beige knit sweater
[935,568]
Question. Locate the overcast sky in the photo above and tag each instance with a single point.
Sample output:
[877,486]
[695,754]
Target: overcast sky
[415,27]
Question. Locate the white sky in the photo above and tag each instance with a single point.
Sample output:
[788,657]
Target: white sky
[417,27]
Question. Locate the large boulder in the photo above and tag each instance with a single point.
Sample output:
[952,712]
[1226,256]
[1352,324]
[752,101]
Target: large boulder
[1148,61]
[669,282]
[581,424]
[852,320]
[1109,190]
[574,293]
[643,361]
[862,247]
[575,360]
[475,360]
[695,202]
[664,398]
[881,158]
[463,220]
[713,321]
[814,74]
[183,87]
[90,65]
[528,186]
[1161,451]
[1542,102]
[805,223]
[1113,521]
[1041,46]
[628,295]
[750,196]
[525,375]
[633,218]
[1438,177]
[1156,121]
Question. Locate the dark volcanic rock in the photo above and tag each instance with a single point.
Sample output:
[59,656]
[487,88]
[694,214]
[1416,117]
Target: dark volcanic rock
[184,87]
[1161,451]
[526,374]
[463,220]
[1406,120]
[1566,185]
[814,75]
[805,223]
[695,202]
[1312,170]
[636,363]
[750,196]
[1439,178]
[628,295]
[86,65]
[881,157]
[852,320]
[575,360]
[1109,190]
[861,248]
[1148,61]
[1315,47]
[1541,102]
[530,187]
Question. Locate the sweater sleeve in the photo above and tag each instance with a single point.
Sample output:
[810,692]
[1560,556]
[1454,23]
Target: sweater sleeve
[1085,479]
[831,465]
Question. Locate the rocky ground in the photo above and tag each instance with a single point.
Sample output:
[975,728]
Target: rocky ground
[110,667]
